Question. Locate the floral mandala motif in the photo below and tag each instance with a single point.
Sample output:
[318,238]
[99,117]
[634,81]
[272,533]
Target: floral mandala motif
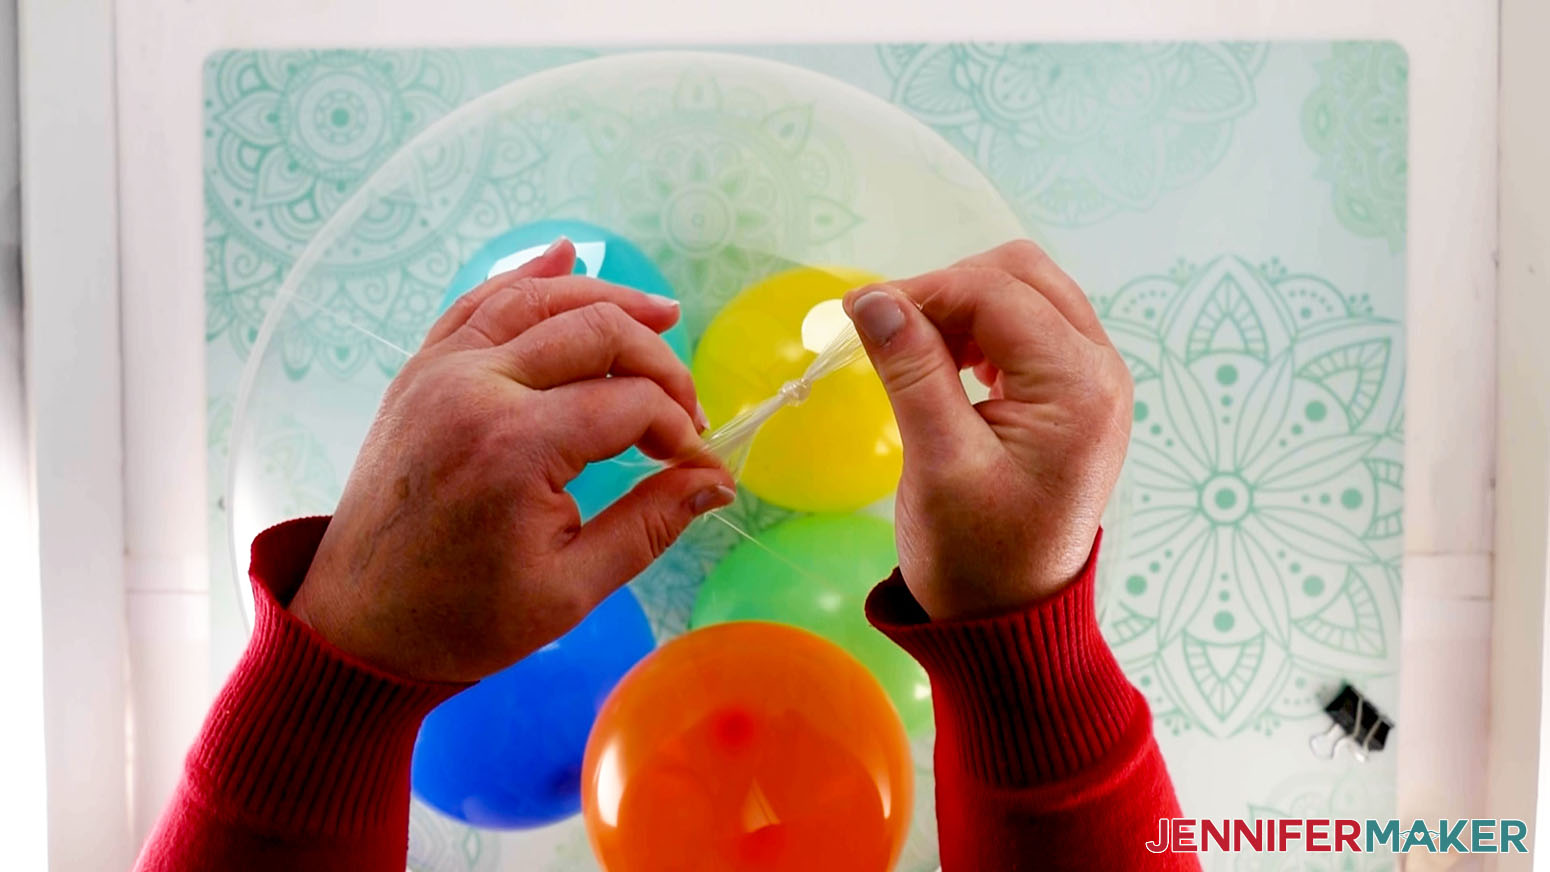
[289,138]
[1357,121]
[717,185]
[294,467]
[439,844]
[1075,133]
[1352,795]
[1265,459]
[290,135]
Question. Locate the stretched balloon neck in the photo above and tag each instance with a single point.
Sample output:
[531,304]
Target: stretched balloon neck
[730,442]
[795,391]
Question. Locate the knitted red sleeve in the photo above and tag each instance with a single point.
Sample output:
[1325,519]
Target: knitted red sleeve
[1044,752]
[303,762]
[1045,758]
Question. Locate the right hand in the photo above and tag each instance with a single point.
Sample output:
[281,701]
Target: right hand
[1000,500]
[455,550]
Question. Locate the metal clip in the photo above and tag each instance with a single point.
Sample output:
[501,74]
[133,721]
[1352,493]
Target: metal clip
[1356,723]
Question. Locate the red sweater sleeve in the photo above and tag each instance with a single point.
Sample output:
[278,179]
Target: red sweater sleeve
[1045,758]
[303,762]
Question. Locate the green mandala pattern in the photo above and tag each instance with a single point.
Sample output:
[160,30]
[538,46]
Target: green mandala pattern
[1352,794]
[1357,121]
[440,844]
[1075,133]
[289,136]
[710,179]
[1263,554]
[1260,560]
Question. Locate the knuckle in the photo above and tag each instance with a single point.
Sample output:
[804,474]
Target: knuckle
[680,382]
[463,307]
[907,372]
[1109,394]
[999,282]
[1025,253]
[657,533]
[635,392]
[408,375]
[1115,384]
[528,299]
[603,320]
[1025,250]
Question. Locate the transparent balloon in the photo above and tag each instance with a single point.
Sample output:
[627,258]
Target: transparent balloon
[729,173]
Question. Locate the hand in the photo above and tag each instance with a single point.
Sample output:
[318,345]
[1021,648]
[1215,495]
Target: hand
[455,550]
[999,500]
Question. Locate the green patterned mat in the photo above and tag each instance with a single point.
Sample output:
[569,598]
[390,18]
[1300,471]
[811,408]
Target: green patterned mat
[1237,212]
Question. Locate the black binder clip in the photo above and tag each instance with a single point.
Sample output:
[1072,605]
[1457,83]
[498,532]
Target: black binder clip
[1357,724]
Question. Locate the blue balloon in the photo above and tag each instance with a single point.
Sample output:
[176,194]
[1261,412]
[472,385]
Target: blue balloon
[506,753]
[602,254]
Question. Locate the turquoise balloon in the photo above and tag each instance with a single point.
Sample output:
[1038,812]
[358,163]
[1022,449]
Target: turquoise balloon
[602,254]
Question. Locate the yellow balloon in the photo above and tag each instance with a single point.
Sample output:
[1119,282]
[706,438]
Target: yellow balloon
[839,449]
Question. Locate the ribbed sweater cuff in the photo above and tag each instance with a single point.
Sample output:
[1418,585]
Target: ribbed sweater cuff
[1028,697]
[305,739]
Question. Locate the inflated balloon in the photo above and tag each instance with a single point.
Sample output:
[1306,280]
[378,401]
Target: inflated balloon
[507,752]
[722,168]
[748,746]
[815,572]
[602,254]
[836,450]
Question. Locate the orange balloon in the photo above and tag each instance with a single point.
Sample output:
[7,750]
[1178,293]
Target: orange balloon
[748,746]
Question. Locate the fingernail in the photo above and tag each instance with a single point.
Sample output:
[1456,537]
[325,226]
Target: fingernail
[666,302]
[877,316]
[700,420]
[712,498]
[553,246]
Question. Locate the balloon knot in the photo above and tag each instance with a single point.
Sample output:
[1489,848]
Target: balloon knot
[795,391]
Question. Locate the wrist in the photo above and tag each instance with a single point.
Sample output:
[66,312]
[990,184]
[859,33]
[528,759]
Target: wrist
[304,737]
[1027,696]
[983,585]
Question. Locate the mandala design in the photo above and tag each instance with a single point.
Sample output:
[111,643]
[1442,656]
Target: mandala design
[1352,794]
[1254,555]
[292,470]
[1075,133]
[1265,536]
[573,853]
[289,137]
[439,844]
[715,182]
[1357,121]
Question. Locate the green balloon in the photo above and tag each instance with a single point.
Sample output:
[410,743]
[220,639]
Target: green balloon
[814,572]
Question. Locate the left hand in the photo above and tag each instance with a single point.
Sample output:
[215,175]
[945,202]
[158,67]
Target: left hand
[455,550]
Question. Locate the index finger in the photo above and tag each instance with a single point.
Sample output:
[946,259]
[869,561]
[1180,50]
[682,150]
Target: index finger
[1018,330]
[1027,262]
[558,260]
[522,305]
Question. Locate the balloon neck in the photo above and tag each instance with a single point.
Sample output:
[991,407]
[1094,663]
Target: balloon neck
[795,391]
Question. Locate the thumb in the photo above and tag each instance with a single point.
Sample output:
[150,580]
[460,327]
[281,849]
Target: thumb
[914,363]
[623,539]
